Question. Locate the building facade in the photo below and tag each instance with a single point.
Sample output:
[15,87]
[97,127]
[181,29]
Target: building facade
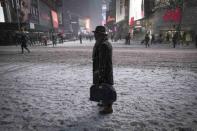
[158,17]
[116,18]
[34,14]
[75,13]
[31,15]
[166,21]
[111,16]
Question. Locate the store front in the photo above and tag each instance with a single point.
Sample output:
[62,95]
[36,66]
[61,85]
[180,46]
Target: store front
[186,36]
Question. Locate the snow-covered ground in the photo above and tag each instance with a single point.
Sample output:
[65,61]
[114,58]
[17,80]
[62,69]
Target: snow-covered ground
[121,43]
[48,89]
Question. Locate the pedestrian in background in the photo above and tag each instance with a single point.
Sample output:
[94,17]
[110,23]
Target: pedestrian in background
[54,40]
[128,39]
[102,65]
[17,39]
[45,40]
[160,40]
[153,39]
[167,37]
[62,38]
[80,38]
[24,40]
[174,39]
[196,40]
[112,37]
[147,39]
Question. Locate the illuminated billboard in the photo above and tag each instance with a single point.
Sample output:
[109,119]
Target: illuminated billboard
[172,15]
[54,19]
[88,24]
[104,9]
[24,10]
[136,10]
[120,10]
[85,23]
[44,15]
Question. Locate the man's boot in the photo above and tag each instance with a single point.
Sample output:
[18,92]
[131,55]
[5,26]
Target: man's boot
[107,109]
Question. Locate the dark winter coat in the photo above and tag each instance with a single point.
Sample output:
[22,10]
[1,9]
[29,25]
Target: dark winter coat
[147,38]
[23,40]
[174,38]
[102,62]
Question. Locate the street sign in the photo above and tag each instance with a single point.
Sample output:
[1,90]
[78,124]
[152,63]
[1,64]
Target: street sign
[32,26]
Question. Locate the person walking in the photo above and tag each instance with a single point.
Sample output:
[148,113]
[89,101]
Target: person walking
[174,39]
[80,38]
[112,37]
[54,40]
[147,39]
[153,39]
[45,40]
[196,40]
[128,39]
[62,38]
[17,39]
[167,37]
[102,64]
[160,40]
[24,43]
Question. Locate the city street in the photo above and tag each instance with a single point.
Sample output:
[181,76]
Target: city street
[48,89]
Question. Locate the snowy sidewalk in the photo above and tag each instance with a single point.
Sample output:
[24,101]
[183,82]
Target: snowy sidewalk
[121,44]
[48,90]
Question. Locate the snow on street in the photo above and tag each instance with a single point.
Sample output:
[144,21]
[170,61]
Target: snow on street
[48,90]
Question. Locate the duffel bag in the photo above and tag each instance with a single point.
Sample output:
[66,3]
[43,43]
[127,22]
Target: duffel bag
[103,92]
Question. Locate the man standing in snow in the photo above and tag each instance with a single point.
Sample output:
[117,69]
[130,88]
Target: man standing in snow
[102,64]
